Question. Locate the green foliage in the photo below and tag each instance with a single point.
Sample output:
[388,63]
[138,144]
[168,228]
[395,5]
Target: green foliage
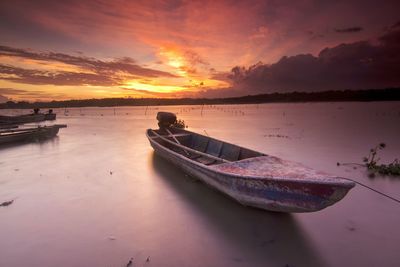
[372,162]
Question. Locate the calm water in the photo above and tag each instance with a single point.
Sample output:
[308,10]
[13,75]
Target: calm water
[97,195]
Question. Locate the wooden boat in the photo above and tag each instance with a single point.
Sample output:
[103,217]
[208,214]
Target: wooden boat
[50,116]
[29,134]
[250,177]
[8,126]
[28,118]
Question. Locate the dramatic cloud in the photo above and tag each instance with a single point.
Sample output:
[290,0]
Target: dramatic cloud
[224,33]
[349,30]
[177,47]
[28,76]
[106,73]
[12,91]
[125,64]
[5,94]
[356,65]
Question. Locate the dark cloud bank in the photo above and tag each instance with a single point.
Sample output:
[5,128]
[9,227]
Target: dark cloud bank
[359,65]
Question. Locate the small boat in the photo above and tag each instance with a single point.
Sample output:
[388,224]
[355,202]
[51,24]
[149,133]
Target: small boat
[29,134]
[28,118]
[50,115]
[8,126]
[250,177]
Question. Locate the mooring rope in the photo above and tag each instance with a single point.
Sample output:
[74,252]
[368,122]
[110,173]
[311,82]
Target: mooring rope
[372,189]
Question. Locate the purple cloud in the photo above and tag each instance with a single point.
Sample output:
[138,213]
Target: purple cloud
[29,76]
[349,30]
[355,65]
[6,93]
[106,73]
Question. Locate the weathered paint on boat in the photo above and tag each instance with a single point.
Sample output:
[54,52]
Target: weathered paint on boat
[261,181]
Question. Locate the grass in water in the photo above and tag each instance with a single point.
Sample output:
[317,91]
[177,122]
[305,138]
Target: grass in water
[372,163]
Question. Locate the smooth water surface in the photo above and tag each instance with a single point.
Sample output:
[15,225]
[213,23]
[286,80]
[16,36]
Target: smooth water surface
[97,195]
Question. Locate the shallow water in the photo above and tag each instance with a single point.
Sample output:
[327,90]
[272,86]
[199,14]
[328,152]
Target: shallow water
[97,195]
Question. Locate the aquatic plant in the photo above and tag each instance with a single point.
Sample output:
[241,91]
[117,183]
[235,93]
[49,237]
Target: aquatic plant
[180,124]
[371,162]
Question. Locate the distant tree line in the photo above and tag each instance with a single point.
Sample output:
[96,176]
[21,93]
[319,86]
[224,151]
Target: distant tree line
[388,94]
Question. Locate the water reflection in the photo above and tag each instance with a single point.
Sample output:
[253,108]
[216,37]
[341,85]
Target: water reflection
[259,236]
[41,142]
[69,204]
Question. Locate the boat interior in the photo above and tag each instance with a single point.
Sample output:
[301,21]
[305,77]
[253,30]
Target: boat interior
[200,148]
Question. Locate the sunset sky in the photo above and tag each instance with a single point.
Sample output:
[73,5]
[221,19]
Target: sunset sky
[55,50]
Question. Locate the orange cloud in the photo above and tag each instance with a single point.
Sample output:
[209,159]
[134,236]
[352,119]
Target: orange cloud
[183,47]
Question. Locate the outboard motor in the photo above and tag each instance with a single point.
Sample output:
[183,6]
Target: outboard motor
[165,119]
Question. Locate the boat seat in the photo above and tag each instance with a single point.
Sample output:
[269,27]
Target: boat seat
[230,152]
[199,143]
[213,148]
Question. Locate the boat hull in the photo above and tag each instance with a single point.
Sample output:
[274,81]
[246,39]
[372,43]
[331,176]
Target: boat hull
[28,118]
[23,118]
[261,192]
[50,116]
[35,134]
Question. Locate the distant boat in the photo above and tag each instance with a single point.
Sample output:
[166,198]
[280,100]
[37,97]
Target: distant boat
[250,177]
[29,134]
[27,118]
[50,116]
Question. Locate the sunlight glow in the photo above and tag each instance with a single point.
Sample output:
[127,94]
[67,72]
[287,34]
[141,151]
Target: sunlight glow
[174,59]
[153,87]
